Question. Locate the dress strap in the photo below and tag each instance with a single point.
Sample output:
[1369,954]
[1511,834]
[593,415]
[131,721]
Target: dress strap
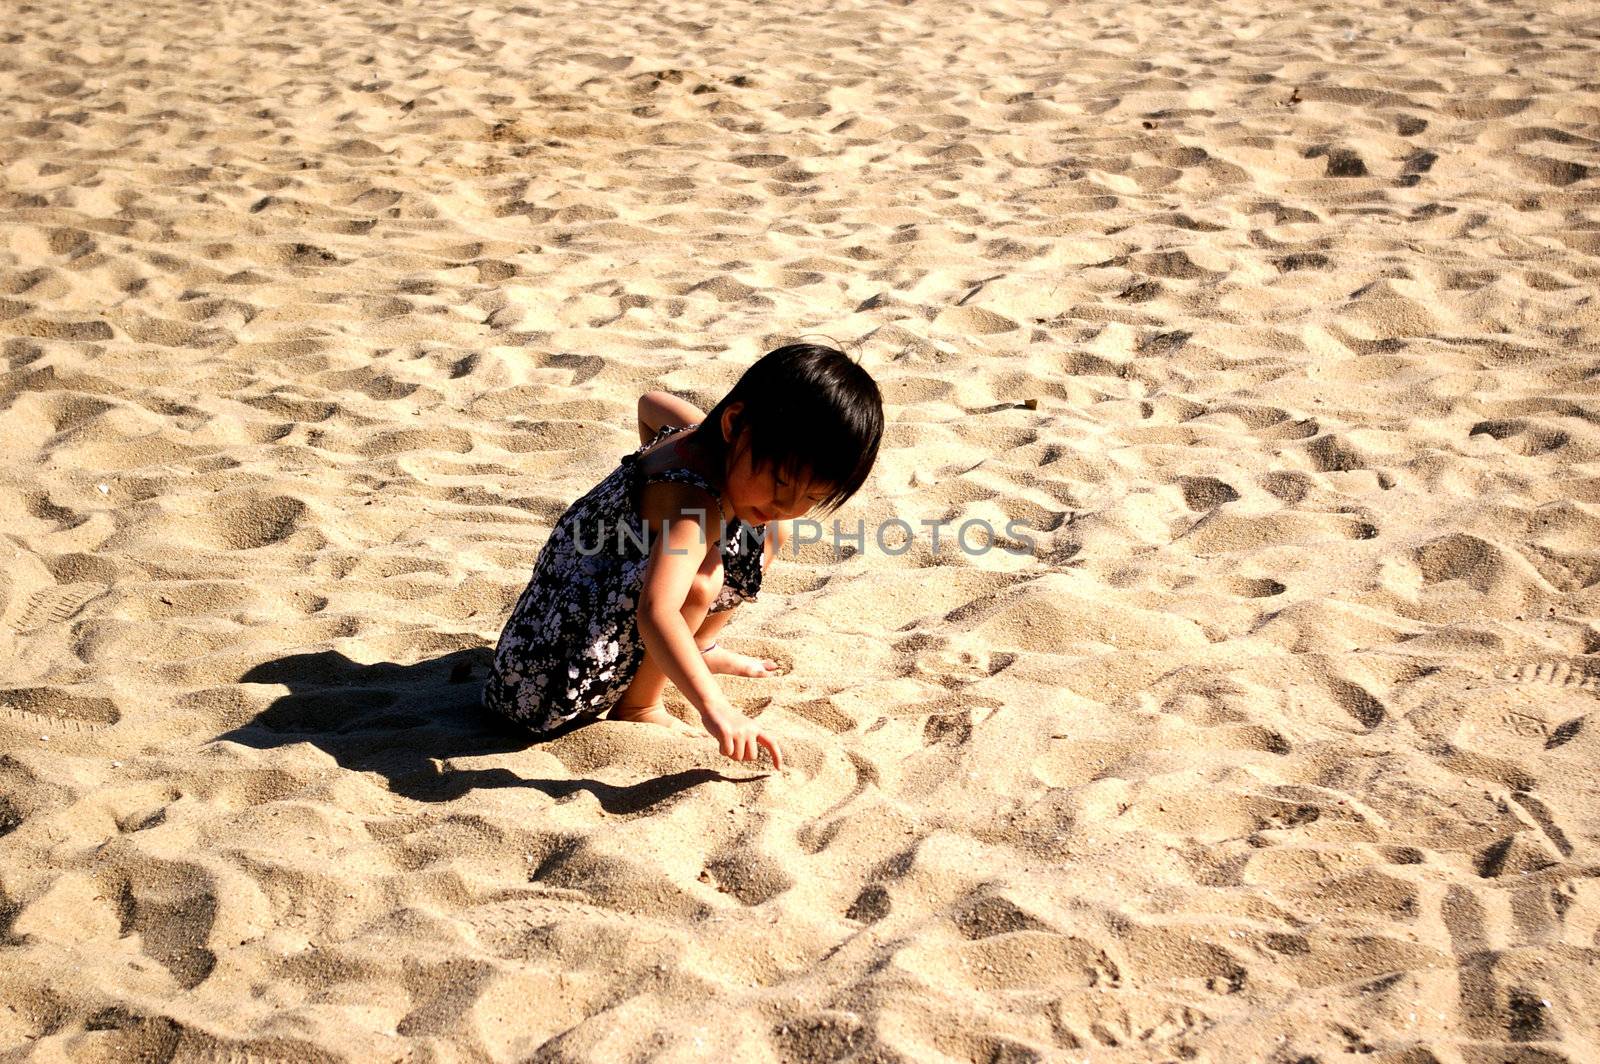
[685,476]
[662,433]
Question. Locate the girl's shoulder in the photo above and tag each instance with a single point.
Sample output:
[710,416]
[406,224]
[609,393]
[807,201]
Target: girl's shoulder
[671,454]
[672,472]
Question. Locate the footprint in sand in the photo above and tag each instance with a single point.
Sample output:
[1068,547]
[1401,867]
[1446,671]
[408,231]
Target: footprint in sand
[52,605]
[30,597]
[1516,728]
[52,707]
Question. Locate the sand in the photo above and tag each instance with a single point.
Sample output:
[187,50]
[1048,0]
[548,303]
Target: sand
[1275,323]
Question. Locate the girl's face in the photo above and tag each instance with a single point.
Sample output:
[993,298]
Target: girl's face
[757,496]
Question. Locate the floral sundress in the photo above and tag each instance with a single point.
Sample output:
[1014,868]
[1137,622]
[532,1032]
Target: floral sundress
[572,646]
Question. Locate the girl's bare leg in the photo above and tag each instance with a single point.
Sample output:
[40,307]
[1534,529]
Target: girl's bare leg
[642,700]
[727,662]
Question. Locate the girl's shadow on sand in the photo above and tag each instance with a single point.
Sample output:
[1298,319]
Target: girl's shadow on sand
[404,721]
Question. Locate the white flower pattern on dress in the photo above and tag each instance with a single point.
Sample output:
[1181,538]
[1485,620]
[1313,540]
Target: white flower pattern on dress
[577,615]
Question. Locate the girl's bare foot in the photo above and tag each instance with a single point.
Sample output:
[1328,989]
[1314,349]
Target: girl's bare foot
[654,713]
[724,661]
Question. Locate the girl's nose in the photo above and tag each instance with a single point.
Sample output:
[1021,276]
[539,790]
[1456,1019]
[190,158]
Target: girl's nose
[793,504]
[791,499]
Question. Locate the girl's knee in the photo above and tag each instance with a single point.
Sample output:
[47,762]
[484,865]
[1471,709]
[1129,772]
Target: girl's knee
[703,592]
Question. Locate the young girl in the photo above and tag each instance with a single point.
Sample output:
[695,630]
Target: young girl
[639,575]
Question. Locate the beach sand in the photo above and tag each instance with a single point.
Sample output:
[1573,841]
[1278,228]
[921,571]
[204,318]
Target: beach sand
[1276,324]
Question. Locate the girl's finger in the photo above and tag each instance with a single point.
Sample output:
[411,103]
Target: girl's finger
[772,748]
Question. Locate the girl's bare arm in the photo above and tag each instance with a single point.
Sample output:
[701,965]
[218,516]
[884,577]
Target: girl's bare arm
[677,514]
[676,555]
[663,408]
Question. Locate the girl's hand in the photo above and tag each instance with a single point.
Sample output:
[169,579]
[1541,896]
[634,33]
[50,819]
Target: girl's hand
[739,737]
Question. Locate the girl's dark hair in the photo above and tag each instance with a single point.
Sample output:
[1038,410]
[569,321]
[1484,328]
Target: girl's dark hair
[809,409]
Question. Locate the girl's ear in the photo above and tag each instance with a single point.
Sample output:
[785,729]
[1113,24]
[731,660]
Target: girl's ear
[731,417]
